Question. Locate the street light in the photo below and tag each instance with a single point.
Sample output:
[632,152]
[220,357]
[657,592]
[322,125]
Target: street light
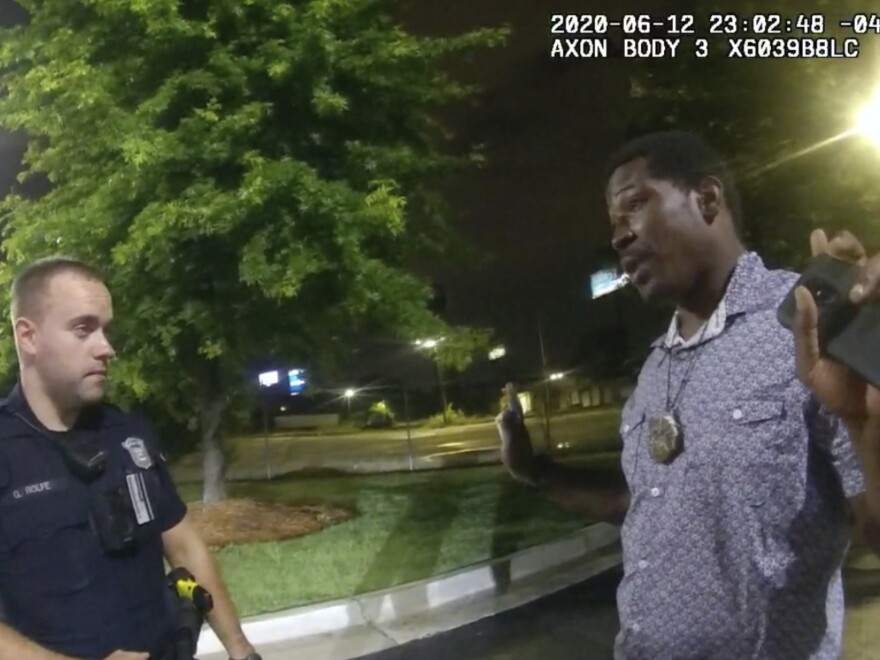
[349,393]
[431,344]
[868,123]
[557,376]
[497,353]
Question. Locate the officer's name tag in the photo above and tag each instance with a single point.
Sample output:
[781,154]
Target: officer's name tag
[140,498]
[33,491]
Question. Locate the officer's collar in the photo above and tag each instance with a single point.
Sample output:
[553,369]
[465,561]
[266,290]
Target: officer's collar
[17,403]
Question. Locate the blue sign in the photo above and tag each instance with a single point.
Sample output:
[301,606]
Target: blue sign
[604,281]
[296,379]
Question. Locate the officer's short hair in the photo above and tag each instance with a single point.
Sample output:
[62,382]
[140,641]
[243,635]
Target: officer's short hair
[29,286]
[682,158]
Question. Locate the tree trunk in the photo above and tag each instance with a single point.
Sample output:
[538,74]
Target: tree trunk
[213,460]
[442,384]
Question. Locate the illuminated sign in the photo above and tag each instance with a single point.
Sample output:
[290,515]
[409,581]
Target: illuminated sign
[605,281]
[268,378]
[296,381]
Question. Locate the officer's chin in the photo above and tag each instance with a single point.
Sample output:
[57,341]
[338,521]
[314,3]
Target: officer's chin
[92,392]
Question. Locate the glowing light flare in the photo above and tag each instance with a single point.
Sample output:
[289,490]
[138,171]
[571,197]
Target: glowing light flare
[868,123]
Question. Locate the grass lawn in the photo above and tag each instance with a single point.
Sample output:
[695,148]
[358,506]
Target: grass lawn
[408,526]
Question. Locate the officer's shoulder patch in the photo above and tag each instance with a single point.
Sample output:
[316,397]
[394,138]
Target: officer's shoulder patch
[137,449]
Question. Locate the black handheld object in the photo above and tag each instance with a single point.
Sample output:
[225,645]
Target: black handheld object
[848,333]
[86,461]
[114,521]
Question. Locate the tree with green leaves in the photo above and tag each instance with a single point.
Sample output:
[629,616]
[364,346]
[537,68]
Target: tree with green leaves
[781,123]
[453,353]
[252,176]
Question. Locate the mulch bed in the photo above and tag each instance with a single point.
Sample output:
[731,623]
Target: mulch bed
[250,521]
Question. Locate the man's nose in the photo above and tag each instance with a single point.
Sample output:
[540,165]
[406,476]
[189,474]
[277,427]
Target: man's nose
[105,349]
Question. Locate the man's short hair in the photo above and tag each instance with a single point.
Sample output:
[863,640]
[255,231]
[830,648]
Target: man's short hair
[29,286]
[682,158]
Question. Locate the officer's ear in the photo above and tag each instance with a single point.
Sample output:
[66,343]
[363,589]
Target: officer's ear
[25,335]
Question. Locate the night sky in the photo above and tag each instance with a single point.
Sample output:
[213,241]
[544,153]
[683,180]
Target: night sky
[537,207]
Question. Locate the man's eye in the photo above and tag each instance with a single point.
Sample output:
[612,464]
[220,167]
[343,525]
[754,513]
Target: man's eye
[636,204]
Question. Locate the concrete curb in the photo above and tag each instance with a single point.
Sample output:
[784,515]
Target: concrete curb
[358,465]
[387,612]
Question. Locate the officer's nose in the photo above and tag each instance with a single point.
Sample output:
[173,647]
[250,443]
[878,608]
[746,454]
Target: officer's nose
[105,349]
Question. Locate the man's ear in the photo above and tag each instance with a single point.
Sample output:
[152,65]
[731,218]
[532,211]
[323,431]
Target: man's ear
[25,335]
[710,197]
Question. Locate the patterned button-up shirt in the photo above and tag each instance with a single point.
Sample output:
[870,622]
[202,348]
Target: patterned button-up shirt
[733,550]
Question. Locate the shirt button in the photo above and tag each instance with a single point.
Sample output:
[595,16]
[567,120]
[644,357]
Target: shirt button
[626,428]
[655,492]
[635,628]
[737,414]
[643,564]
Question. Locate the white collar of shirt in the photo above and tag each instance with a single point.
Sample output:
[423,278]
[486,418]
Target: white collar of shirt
[711,328]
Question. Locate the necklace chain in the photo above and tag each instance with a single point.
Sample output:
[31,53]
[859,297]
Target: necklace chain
[687,374]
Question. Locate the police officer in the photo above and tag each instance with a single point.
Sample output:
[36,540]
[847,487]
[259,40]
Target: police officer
[88,510]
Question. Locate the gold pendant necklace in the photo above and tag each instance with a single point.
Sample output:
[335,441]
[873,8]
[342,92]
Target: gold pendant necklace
[665,437]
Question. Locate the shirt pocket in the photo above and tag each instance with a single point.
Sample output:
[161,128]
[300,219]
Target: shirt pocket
[771,452]
[52,548]
[764,427]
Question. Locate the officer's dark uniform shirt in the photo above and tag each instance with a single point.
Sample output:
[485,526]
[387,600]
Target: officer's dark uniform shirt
[58,585]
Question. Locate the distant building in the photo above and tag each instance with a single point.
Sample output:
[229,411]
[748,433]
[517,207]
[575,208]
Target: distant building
[573,391]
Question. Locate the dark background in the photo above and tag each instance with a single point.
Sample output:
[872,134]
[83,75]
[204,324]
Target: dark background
[538,207]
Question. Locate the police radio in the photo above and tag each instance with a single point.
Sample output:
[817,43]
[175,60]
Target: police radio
[86,461]
[114,521]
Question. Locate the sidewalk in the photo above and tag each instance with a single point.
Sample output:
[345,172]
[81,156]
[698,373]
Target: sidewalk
[376,622]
